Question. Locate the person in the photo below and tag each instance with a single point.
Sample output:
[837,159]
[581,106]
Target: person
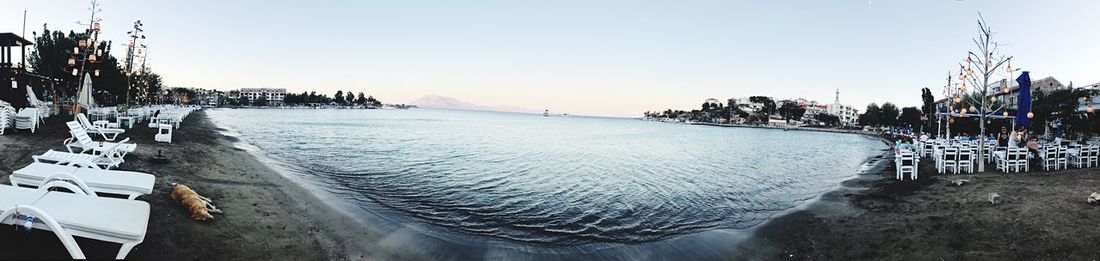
[1023,136]
[1002,137]
[1013,139]
[1033,148]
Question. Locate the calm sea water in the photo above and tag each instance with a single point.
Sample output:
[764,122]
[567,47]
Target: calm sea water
[553,181]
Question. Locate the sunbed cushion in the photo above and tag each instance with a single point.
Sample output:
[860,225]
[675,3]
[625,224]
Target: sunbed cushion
[96,179]
[113,217]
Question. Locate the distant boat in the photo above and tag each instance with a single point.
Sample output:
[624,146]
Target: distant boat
[546,113]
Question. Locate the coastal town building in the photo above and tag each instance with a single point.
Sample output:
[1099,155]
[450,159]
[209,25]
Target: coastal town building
[996,89]
[846,113]
[274,96]
[1045,85]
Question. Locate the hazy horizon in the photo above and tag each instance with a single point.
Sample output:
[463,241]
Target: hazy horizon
[615,58]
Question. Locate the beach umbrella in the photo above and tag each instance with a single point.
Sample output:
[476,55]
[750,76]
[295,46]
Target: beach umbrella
[84,96]
[1023,100]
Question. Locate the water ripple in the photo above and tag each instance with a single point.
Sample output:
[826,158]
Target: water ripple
[554,181]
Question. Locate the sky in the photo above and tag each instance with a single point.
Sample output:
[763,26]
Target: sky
[607,58]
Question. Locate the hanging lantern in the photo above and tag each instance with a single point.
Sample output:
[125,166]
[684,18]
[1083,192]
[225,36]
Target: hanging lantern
[76,50]
[972,108]
[74,71]
[951,120]
[81,43]
[988,63]
[1005,113]
[958,99]
[1005,90]
[1089,109]
[72,62]
[1083,99]
[963,111]
[96,72]
[96,27]
[993,99]
[99,52]
[1030,115]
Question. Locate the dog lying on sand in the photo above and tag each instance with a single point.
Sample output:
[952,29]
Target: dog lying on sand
[199,206]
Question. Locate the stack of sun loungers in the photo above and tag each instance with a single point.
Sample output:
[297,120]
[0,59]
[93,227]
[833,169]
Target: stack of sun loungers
[7,117]
[88,209]
[27,119]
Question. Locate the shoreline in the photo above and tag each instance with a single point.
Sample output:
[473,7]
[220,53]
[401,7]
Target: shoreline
[266,216]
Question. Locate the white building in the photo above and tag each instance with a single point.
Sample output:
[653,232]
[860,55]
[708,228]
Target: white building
[848,115]
[274,96]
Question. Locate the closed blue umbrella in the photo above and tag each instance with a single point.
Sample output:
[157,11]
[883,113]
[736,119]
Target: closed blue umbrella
[1023,100]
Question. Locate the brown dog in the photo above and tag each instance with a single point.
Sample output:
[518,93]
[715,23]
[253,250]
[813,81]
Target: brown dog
[198,205]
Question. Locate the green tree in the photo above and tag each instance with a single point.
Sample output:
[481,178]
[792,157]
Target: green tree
[888,114]
[50,56]
[339,97]
[929,108]
[261,101]
[790,110]
[910,116]
[871,116]
[362,99]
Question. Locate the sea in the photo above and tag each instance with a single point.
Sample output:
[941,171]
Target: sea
[554,181]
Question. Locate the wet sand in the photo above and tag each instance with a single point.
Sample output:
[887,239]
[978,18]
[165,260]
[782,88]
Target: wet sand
[1042,216]
[266,216]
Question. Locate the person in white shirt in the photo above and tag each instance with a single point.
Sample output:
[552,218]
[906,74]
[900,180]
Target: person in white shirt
[1012,142]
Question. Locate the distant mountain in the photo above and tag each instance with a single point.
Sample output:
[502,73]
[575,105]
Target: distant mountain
[444,102]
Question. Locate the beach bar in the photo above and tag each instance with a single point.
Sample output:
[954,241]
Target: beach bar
[14,73]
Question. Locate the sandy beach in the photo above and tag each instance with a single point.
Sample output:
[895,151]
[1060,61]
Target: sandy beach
[266,216]
[1042,216]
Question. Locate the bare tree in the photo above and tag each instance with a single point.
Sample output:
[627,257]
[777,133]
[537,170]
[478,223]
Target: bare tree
[978,69]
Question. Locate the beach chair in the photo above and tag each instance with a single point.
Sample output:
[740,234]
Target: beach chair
[164,133]
[108,134]
[1021,160]
[84,143]
[1049,157]
[76,214]
[110,158]
[950,160]
[966,161]
[1079,160]
[906,164]
[1063,159]
[1093,158]
[127,183]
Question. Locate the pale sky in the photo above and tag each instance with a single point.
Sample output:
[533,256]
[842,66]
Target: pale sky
[616,58]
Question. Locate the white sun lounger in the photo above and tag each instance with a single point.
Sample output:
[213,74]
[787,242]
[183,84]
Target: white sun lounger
[84,143]
[77,214]
[129,183]
[107,133]
[108,159]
